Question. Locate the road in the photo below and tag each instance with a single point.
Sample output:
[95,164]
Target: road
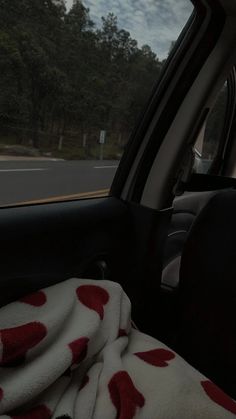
[29,180]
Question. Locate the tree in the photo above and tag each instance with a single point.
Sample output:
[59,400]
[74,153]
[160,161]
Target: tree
[35,27]
[60,73]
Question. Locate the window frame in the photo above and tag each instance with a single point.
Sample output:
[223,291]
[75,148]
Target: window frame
[223,152]
[224,135]
[187,57]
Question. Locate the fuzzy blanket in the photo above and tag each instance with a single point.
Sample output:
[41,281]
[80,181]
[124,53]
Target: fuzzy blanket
[69,351]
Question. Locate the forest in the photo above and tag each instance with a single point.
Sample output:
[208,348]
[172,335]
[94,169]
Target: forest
[65,79]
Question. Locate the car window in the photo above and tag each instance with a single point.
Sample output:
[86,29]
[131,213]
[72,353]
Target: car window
[75,77]
[208,142]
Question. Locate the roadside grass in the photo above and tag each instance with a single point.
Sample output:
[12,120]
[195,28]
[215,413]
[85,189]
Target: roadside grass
[18,150]
[8,146]
[109,152]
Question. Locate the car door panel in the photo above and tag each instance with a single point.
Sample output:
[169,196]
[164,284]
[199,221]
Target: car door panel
[44,244]
[41,245]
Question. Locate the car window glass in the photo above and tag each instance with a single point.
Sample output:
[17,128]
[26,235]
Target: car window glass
[207,144]
[75,77]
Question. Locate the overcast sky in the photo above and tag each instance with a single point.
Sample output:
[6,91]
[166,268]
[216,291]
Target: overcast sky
[153,22]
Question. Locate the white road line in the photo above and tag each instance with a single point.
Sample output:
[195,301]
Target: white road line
[22,170]
[105,167]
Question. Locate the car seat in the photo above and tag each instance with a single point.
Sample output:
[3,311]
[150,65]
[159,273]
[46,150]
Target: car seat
[206,331]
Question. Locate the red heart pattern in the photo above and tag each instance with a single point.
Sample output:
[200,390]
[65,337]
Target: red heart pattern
[122,332]
[93,297]
[125,397]
[156,357]
[17,341]
[36,299]
[219,397]
[79,350]
[39,412]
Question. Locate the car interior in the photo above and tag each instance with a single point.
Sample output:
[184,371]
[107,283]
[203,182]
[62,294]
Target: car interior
[166,232]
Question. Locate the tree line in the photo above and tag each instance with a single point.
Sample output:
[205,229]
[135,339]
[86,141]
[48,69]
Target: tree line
[61,74]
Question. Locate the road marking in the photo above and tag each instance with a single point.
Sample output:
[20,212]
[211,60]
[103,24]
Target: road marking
[105,167]
[22,170]
[83,195]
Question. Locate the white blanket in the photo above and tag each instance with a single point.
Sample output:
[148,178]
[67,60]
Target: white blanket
[69,351]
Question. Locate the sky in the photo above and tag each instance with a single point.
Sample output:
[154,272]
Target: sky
[153,22]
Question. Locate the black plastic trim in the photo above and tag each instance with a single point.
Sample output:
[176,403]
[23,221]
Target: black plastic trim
[231,125]
[217,164]
[201,183]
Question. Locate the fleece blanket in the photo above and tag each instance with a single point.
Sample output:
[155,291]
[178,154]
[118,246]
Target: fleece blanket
[69,351]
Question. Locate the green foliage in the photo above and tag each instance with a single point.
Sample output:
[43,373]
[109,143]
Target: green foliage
[61,74]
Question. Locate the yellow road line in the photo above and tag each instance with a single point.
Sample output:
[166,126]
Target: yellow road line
[83,195]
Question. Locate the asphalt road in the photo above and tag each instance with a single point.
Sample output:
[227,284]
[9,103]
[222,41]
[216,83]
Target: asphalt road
[27,180]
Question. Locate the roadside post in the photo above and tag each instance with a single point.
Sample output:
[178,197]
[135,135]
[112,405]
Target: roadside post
[102,140]
[84,140]
[60,143]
